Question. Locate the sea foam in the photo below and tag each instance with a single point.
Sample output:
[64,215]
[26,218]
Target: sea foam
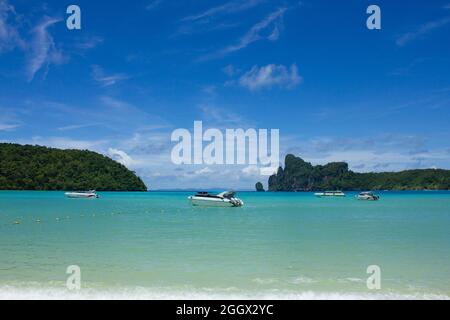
[31,293]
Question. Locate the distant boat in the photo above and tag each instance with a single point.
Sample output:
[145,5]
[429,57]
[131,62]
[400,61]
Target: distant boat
[92,194]
[330,194]
[370,196]
[224,199]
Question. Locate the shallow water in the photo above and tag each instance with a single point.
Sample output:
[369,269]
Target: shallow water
[279,245]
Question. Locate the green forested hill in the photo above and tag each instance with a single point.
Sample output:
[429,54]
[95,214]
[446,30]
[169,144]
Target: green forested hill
[41,168]
[299,175]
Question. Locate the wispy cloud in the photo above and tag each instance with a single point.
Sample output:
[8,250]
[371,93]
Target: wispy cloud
[38,45]
[231,70]
[124,113]
[153,5]
[116,104]
[269,76]
[89,43]
[66,143]
[202,26]
[272,21]
[267,29]
[204,171]
[226,8]
[216,18]
[216,116]
[8,127]
[422,31]
[43,51]
[105,80]
[77,126]
[390,152]
[9,34]
[9,119]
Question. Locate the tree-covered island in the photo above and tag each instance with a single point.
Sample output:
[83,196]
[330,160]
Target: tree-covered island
[26,167]
[299,175]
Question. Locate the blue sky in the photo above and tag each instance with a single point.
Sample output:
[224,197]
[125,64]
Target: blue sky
[137,70]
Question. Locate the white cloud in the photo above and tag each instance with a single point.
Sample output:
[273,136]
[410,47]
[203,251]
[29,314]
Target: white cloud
[149,155]
[8,127]
[273,20]
[226,8]
[216,18]
[153,5]
[121,157]
[251,170]
[43,51]
[267,29]
[9,34]
[106,80]
[66,143]
[39,46]
[231,70]
[149,144]
[204,171]
[222,117]
[89,43]
[422,31]
[389,152]
[115,103]
[370,160]
[270,76]
[9,119]
[77,126]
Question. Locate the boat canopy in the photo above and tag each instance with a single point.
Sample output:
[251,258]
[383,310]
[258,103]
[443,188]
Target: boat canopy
[227,194]
[202,193]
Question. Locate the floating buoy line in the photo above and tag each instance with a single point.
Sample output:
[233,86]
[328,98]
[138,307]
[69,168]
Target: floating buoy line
[35,220]
[21,220]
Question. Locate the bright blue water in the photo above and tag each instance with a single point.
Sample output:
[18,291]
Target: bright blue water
[286,245]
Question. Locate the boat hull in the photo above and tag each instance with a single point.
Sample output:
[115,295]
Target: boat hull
[81,196]
[213,202]
[366,198]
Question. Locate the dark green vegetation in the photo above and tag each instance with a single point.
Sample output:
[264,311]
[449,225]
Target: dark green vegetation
[40,168]
[299,175]
[259,187]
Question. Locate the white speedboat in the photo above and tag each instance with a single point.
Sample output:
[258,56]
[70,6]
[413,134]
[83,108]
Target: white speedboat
[330,194]
[370,196]
[92,194]
[224,199]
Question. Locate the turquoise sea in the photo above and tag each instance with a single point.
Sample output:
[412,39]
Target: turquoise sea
[278,246]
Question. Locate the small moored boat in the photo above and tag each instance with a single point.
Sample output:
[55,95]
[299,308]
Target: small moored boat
[92,194]
[330,194]
[370,196]
[224,199]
